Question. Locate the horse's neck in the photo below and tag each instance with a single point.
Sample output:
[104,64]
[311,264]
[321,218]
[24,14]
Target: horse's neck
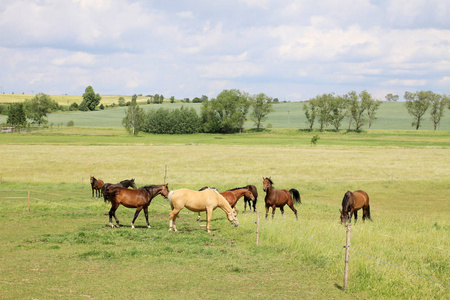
[239,193]
[223,204]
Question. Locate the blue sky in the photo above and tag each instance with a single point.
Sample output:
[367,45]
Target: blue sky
[291,50]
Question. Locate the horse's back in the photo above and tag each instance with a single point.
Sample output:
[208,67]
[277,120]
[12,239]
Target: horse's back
[361,198]
[194,200]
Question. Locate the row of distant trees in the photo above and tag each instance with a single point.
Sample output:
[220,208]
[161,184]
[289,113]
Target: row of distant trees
[225,114]
[330,110]
[35,110]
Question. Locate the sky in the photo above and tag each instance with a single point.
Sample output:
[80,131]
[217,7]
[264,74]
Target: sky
[290,50]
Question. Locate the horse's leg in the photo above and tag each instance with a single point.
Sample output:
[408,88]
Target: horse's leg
[282,211]
[293,209]
[146,216]
[92,192]
[356,216]
[172,217]
[245,205]
[198,218]
[267,210]
[273,210]
[136,214]
[254,206]
[208,218]
[112,213]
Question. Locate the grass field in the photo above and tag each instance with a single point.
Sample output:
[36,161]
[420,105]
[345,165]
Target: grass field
[63,247]
[391,115]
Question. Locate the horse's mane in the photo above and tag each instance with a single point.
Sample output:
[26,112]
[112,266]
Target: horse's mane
[346,200]
[239,188]
[126,181]
[270,180]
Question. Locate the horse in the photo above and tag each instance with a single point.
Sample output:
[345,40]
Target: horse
[138,198]
[351,203]
[96,185]
[233,195]
[249,200]
[124,183]
[279,198]
[197,201]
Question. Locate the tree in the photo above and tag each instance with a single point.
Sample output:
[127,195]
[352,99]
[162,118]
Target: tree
[338,106]
[134,118]
[323,109]
[390,97]
[438,104]
[417,104]
[16,115]
[172,99]
[310,109]
[38,108]
[262,106]
[357,105]
[226,113]
[372,107]
[121,101]
[90,99]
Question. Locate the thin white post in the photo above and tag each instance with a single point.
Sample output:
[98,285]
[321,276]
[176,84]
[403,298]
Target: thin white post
[347,256]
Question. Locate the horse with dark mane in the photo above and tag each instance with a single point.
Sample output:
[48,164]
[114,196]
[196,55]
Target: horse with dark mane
[249,200]
[138,198]
[96,186]
[124,183]
[351,203]
[279,198]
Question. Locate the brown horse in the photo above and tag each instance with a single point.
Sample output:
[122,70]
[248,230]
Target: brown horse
[233,195]
[279,198]
[249,200]
[351,203]
[139,199]
[124,183]
[96,185]
[197,201]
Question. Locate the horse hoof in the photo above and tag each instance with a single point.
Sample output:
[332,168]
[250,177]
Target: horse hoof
[149,226]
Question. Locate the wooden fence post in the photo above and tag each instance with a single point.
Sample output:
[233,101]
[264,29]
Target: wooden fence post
[257,228]
[347,256]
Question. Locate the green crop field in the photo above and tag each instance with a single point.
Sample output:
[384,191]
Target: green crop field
[56,242]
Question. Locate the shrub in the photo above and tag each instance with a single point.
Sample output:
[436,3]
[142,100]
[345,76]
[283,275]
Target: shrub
[70,123]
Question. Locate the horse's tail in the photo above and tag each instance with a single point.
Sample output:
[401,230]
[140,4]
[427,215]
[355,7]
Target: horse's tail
[110,194]
[368,213]
[296,195]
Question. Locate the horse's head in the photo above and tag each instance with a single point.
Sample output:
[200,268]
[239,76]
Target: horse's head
[267,183]
[249,194]
[232,217]
[132,184]
[92,179]
[165,191]
[348,196]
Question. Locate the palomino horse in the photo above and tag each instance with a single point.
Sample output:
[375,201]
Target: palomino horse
[351,203]
[124,183]
[97,186]
[249,200]
[139,199]
[279,198]
[206,200]
[233,195]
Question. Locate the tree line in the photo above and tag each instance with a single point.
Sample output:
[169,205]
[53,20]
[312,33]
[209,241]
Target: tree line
[228,112]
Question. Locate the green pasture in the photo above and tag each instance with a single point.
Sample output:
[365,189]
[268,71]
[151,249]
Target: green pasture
[56,241]
[391,115]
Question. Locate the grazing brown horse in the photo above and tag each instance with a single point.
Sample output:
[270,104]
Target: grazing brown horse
[351,203]
[139,199]
[249,200]
[233,195]
[124,183]
[96,185]
[279,198]
[197,201]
